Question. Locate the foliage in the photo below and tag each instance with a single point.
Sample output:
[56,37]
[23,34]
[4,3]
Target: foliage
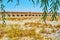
[3,10]
[51,5]
[2,6]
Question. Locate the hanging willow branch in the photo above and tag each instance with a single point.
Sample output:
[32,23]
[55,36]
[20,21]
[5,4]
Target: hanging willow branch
[3,11]
[49,5]
[54,8]
[44,4]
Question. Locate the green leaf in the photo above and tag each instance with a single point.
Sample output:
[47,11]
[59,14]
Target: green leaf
[17,2]
[41,3]
[54,15]
[37,2]
[9,1]
[44,15]
[33,2]
[0,1]
[2,7]
[3,15]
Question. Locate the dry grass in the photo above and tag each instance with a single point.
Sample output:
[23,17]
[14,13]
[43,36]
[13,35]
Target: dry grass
[27,27]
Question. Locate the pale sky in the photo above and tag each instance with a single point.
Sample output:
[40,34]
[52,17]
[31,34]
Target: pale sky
[25,6]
